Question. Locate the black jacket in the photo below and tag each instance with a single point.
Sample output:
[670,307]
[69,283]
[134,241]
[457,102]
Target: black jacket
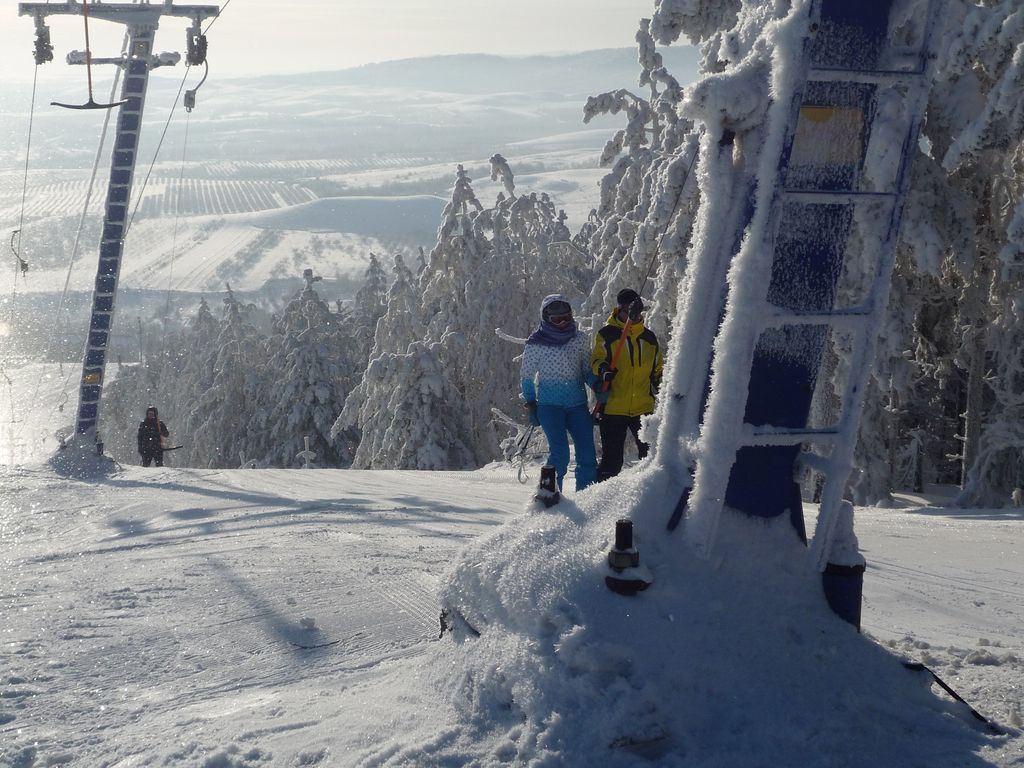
[150,433]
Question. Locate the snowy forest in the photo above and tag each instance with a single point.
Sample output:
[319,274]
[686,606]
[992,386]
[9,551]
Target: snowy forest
[414,374]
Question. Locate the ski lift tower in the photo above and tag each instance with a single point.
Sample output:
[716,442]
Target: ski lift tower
[801,269]
[141,20]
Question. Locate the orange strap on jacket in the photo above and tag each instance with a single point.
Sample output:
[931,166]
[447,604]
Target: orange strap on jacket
[616,354]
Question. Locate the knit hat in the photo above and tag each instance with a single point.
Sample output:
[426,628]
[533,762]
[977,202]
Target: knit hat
[626,297]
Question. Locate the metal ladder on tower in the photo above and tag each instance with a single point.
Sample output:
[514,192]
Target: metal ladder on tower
[840,188]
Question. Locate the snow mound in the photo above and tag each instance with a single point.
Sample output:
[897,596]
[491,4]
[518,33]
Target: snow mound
[737,661]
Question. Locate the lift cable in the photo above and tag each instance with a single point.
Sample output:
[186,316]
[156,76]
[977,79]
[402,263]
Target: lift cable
[196,55]
[43,53]
[21,265]
[219,14]
[174,242]
[156,154]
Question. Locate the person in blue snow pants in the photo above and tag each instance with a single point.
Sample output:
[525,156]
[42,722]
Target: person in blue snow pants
[556,367]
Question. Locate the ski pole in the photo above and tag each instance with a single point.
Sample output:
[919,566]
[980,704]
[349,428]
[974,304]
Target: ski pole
[520,454]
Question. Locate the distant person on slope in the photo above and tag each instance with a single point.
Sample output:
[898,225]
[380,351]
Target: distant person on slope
[152,432]
[626,389]
[555,368]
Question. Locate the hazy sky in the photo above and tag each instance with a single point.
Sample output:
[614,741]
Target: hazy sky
[263,36]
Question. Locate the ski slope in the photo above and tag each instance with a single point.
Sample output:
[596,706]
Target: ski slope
[244,618]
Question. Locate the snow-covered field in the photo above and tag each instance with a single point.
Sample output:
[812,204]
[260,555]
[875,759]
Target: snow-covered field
[265,240]
[184,617]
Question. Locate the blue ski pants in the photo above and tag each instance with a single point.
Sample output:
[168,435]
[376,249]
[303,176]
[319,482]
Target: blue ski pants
[558,422]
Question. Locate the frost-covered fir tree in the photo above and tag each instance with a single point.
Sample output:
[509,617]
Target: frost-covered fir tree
[488,270]
[458,253]
[997,469]
[965,189]
[160,379]
[369,304]
[366,409]
[650,195]
[416,418]
[448,302]
[426,411]
[312,363]
[219,415]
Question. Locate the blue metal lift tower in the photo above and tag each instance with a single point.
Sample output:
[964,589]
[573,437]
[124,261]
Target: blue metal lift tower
[141,20]
[820,222]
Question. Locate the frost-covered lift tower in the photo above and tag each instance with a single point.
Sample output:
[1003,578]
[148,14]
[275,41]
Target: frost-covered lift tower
[811,249]
[141,20]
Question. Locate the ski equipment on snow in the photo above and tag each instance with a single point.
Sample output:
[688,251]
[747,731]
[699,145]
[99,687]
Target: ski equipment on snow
[916,666]
[520,455]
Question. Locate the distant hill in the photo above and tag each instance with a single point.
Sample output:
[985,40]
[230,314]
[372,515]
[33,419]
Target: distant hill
[588,72]
[428,109]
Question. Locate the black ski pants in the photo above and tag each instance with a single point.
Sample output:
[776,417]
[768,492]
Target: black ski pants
[613,443]
[156,457]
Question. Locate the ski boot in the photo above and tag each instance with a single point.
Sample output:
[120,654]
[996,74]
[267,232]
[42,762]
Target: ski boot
[547,491]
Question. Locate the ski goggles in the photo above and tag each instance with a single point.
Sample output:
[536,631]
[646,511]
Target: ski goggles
[558,312]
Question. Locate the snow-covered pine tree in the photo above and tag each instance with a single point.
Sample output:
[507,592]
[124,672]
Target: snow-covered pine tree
[997,468]
[366,410]
[650,195]
[967,186]
[369,304]
[159,379]
[422,413]
[459,251]
[408,413]
[218,420]
[314,365]
[401,323]
[194,377]
[488,270]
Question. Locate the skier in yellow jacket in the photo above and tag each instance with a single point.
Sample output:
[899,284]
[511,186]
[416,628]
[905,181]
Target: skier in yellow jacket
[625,390]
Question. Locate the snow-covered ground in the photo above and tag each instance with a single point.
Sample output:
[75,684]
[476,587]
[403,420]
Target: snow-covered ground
[185,617]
